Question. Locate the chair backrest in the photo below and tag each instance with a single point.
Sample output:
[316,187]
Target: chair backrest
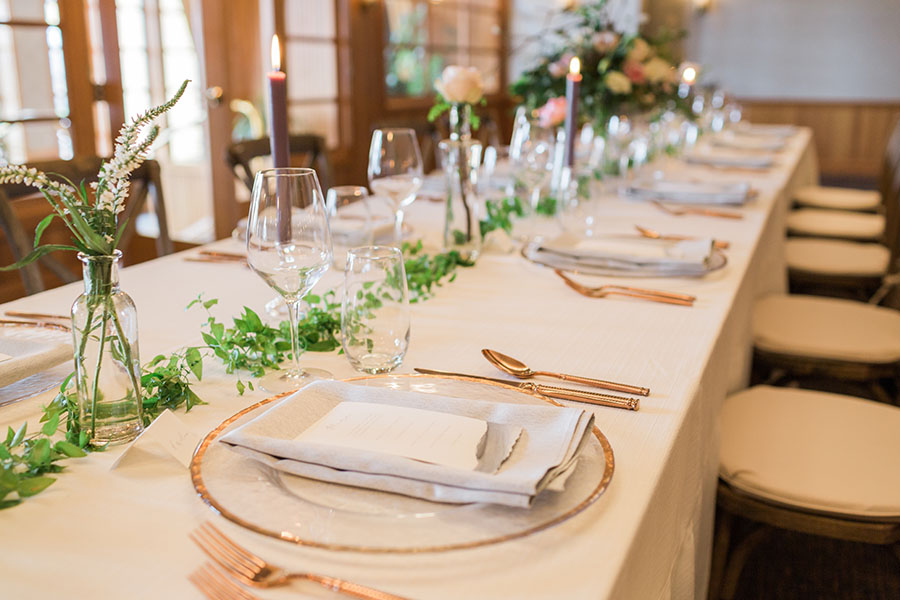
[144,179]
[306,151]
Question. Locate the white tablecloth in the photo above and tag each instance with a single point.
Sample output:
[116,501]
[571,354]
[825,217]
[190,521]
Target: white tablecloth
[123,534]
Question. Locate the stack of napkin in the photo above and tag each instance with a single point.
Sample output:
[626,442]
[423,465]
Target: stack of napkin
[631,254]
[26,351]
[749,142]
[689,192]
[525,450]
[725,159]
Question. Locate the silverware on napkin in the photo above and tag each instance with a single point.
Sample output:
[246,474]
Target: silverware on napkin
[550,390]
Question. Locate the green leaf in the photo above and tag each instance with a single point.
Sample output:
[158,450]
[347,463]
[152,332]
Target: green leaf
[195,362]
[19,436]
[4,453]
[210,303]
[39,230]
[36,254]
[69,449]
[40,453]
[50,426]
[240,387]
[33,485]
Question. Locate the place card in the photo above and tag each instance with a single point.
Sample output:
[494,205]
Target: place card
[423,435]
[167,435]
[4,357]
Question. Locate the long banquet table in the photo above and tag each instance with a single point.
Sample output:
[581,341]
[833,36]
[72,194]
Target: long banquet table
[123,533]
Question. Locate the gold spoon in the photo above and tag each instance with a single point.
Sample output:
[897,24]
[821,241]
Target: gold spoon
[655,235]
[516,368]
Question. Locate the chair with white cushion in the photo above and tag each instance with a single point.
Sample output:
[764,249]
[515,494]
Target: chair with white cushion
[838,224]
[813,462]
[801,336]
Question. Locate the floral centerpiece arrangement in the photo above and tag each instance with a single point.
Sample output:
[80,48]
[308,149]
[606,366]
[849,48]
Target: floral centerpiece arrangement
[458,90]
[621,73]
[104,319]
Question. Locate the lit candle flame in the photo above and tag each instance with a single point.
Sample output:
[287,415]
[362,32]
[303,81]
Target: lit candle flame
[575,66]
[276,54]
[689,75]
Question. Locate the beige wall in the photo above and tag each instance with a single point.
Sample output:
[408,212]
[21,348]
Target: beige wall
[831,50]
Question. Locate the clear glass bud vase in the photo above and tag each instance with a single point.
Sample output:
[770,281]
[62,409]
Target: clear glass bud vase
[462,229]
[107,365]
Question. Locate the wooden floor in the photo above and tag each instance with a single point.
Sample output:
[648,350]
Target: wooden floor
[794,566]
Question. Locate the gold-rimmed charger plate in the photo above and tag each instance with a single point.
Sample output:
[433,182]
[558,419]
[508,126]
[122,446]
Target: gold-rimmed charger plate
[335,517]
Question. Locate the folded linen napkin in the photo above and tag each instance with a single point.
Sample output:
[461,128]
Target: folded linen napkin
[31,350]
[545,442]
[630,252]
[749,142]
[722,158]
[689,192]
[782,131]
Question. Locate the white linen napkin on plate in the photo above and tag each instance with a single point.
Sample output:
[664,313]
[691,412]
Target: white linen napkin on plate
[689,192]
[724,158]
[631,252]
[749,142]
[31,351]
[545,442]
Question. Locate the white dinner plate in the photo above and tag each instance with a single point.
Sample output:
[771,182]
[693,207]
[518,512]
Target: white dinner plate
[337,517]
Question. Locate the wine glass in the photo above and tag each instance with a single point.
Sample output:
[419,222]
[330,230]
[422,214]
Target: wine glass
[350,218]
[289,246]
[531,156]
[395,170]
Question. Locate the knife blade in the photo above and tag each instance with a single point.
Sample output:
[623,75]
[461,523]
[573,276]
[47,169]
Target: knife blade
[550,390]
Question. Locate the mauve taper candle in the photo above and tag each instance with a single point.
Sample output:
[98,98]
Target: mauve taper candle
[278,137]
[573,82]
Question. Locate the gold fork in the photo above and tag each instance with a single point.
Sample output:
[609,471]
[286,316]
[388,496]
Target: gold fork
[250,569]
[630,292]
[655,235]
[215,585]
[692,210]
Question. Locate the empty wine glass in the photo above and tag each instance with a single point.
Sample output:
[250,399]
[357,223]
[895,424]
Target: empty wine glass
[395,170]
[375,309]
[289,246]
[350,219]
[531,156]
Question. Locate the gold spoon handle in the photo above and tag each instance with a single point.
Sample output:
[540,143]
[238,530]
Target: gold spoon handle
[600,383]
[588,397]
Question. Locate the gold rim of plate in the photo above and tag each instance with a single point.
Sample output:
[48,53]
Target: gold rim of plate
[203,492]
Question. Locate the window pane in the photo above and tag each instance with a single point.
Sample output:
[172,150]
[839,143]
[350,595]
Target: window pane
[312,70]
[489,65]
[446,25]
[318,118]
[309,18]
[406,72]
[405,21]
[485,29]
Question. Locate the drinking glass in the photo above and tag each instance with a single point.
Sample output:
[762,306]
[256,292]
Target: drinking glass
[350,219]
[289,246]
[395,170]
[375,309]
[531,154]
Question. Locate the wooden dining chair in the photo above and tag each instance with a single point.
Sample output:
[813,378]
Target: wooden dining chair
[846,268]
[145,192]
[306,151]
[805,461]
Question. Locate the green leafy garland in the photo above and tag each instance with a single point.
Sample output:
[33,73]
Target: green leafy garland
[248,345]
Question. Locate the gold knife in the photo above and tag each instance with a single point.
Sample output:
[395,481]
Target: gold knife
[551,390]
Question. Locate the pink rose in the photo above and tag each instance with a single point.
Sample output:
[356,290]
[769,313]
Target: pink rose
[634,71]
[604,41]
[560,67]
[553,113]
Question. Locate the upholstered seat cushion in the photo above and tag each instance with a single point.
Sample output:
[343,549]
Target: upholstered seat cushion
[837,198]
[829,328]
[813,450]
[837,257]
[835,223]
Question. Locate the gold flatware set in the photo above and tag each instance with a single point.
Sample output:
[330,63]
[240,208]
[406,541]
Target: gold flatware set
[655,235]
[681,210]
[215,256]
[628,291]
[235,564]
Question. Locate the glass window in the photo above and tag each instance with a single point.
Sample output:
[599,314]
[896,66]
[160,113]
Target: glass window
[423,36]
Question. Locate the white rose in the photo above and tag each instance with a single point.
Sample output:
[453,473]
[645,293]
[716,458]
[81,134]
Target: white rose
[656,69]
[617,82]
[640,50]
[460,84]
